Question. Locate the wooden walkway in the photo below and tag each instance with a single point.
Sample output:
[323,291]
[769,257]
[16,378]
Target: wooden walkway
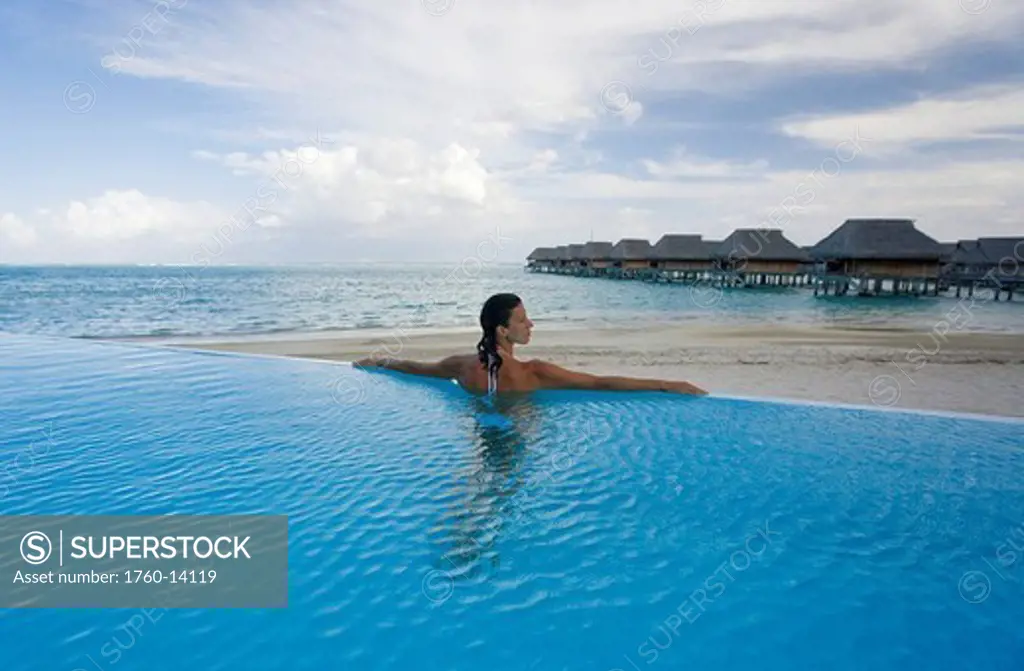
[821,283]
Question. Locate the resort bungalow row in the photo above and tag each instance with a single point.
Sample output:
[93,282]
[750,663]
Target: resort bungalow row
[748,256]
[994,263]
[866,256]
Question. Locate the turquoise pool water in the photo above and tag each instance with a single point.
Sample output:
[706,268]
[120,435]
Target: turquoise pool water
[574,531]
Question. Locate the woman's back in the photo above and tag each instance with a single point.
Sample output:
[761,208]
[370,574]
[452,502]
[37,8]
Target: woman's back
[513,376]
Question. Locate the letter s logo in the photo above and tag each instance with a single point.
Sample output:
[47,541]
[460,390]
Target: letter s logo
[36,547]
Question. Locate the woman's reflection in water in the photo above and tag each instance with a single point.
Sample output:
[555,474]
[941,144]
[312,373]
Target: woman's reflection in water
[502,427]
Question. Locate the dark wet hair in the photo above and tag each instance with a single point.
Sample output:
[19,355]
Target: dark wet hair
[496,312]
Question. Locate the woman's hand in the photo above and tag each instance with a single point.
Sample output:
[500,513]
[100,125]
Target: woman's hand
[683,388]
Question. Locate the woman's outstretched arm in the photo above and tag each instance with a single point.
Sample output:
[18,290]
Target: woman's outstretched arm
[446,368]
[551,376]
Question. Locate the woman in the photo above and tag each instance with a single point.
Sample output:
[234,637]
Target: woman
[505,325]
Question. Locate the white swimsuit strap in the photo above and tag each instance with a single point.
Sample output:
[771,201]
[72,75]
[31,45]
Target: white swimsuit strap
[492,378]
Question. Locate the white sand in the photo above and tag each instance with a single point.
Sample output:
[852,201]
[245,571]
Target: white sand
[960,372]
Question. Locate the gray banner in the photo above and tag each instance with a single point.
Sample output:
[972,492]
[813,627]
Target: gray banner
[167,561]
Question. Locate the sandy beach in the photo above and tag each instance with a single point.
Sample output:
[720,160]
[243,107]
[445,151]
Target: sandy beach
[958,371]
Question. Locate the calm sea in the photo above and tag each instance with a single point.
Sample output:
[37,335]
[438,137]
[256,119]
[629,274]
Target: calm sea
[172,301]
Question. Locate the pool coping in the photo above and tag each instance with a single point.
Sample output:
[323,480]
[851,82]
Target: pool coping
[949,414]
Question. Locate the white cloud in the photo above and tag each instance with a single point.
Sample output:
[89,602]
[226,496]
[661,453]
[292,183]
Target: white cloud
[543,160]
[363,185]
[950,200]
[15,232]
[744,43]
[638,222]
[683,164]
[126,215]
[976,114]
[487,114]
[634,111]
[514,66]
[114,227]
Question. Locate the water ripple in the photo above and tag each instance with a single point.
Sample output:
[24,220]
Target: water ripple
[574,534]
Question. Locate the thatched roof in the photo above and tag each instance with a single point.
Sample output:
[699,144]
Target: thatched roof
[968,253]
[711,247]
[542,254]
[1006,255]
[561,253]
[675,247]
[1002,250]
[575,252]
[632,249]
[764,244]
[597,250]
[877,239]
[948,249]
[1003,254]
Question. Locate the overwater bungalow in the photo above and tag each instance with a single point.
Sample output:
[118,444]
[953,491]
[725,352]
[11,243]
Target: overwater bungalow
[631,258]
[993,263]
[865,254]
[561,259]
[683,257]
[764,256]
[542,260]
[965,263]
[574,258]
[807,267]
[946,263]
[597,258]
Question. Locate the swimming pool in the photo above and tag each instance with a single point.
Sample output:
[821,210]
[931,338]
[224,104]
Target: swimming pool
[575,531]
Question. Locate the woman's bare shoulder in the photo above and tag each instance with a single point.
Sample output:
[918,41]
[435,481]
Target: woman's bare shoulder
[541,364]
[463,361]
[544,369]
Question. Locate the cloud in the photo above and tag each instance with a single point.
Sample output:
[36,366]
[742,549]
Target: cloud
[118,226]
[14,232]
[125,215]
[543,161]
[684,165]
[535,65]
[741,44]
[541,117]
[942,197]
[980,113]
[367,183]
[561,208]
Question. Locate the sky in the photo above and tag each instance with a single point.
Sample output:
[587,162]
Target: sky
[321,131]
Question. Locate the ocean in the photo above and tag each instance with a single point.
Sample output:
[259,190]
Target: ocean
[131,302]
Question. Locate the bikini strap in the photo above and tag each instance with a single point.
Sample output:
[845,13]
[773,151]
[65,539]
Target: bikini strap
[492,377]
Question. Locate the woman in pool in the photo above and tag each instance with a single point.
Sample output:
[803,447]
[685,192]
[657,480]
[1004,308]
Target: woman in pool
[505,325]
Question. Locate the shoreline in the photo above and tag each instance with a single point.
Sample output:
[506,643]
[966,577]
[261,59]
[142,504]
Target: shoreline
[885,367]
